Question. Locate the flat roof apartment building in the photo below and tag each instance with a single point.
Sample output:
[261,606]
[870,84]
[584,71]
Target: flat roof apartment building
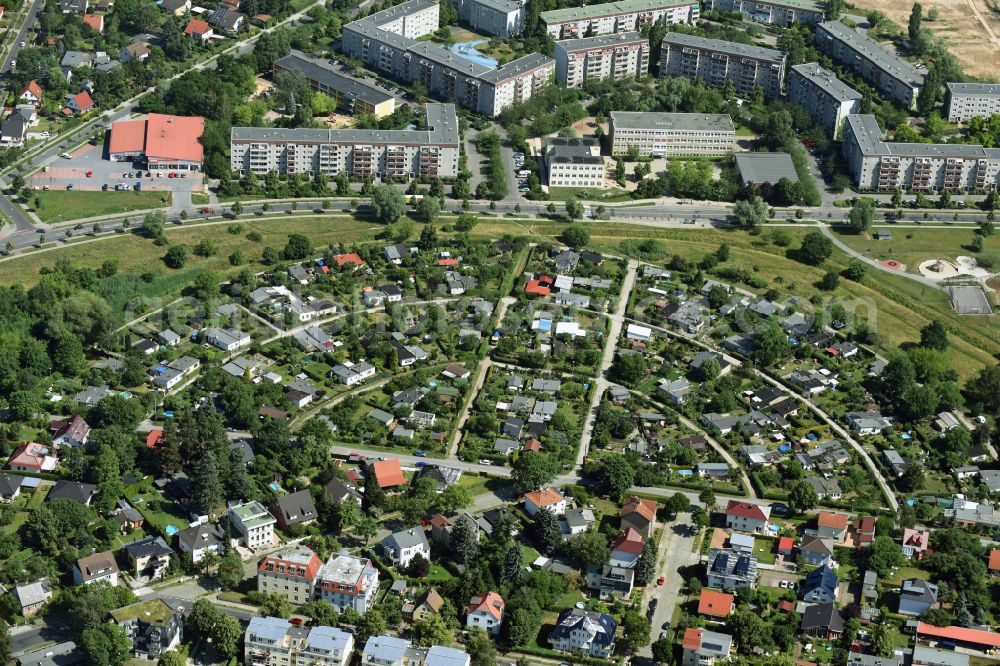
[252,525]
[400,153]
[878,165]
[611,17]
[620,56]
[715,62]
[896,79]
[575,163]
[666,134]
[348,582]
[502,18]
[968,100]
[273,641]
[827,99]
[386,41]
[352,95]
[775,12]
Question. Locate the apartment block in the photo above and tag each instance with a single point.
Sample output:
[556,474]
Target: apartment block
[968,100]
[252,525]
[386,41]
[432,151]
[615,17]
[896,79]
[715,62]
[775,12]
[879,165]
[273,641]
[352,95]
[620,56]
[668,134]
[348,582]
[502,18]
[827,99]
[574,163]
[289,573]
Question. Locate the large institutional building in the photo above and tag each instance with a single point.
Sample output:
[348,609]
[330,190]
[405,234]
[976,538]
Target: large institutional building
[667,134]
[574,163]
[878,165]
[387,42]
[621,56]
[896,79]
[827,99]
[352,95]
[612,17]
[715,62]
[399,153]
[776,12]
[502,18]
[968,100]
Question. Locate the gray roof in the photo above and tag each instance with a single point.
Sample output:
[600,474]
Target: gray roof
[587,43]
[722,46]
[875,52]
[414,536]
[32,593]
[868,136]
[608,9]
[72,490]
[973,88]
[760,168]
[148,547]
[385,649]
[270,629]
[573,151]
[827,81]
[516,67]
[199,536]
[328,639]
[297,507]
[442,128]
[392,13]
[654,120]
[932,657]
[315,69]
[61,654]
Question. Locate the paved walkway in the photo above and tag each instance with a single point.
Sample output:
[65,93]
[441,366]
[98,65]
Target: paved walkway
[875,264]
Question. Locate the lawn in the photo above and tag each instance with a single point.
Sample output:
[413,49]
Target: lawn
[20,518]
[903,573]
[63,206]
[912,246]
[765,550]
[586,194]
[38,497]
[161,516]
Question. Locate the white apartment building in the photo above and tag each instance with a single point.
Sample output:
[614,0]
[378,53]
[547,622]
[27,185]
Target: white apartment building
[669,134]
[827,99]
[715,62]
[620,56]
[896,79]
[968,100]
[775,12]
[879,165]
[614,17]
[399,153]
[502,18]
[348,582]
[252,525]
[574,163]
[273,641]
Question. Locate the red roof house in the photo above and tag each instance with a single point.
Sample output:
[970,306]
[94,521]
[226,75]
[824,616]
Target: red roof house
[388,473]
[198,29]
[639,514]
[81,102]
[540,286]
[994,564]
[715,604]
[350,258]
[31,93]
[95,21]
[786,545]
[154,438]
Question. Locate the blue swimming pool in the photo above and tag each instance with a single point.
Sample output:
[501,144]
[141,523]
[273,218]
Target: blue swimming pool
[468,51]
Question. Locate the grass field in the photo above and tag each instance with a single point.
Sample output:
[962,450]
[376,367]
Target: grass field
[61,206]
[585,195]
[912,246]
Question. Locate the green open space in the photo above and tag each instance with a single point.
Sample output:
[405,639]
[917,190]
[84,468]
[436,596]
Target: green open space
[913,245]
[61,206]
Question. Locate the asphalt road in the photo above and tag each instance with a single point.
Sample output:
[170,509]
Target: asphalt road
[22,35]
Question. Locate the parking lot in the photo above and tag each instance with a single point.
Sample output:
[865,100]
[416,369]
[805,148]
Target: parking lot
[87,169]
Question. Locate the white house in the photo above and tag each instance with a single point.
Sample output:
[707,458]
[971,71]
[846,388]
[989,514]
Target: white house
[403,546]
[485,612]
[546,498]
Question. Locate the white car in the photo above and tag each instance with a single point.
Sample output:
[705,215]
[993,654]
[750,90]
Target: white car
[783,584]
[65,156]
[22,43]
[45,135]
[484,461]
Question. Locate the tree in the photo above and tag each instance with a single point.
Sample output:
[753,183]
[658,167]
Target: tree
[589,548]
[321,613]
[298,247]
[748,630]
[881,643]
[677,503]
[546,529]
[429,209]
[885,555]
[615,476]
[388,204]
[173,658]
[707,498]
[275,605]
[802,497]
[154,224]
[913,479]
[856,270]
[861,215]
[575,236]
[513,565]
[769,345]
[522,626]
[463,542]
[635,630]
[431,630]
[662,650]
[206,487]
[830,280]
[816,248]
[230,571]
[533,470]
[914,24]
[482,651]
[176,256]
[751,213]
[203,618]
[452,499]
[934,336]
[107,645]
[629,369]
[366,528]
[227,635]
[983,391]
[372,624]
[17,182]
[574,209]
[645,567]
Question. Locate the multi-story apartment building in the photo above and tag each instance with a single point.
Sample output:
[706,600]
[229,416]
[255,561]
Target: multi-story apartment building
[432,151]
[665,134]
[386,41]
[611,17]
[252,525]
[348,582]
[878,165]
[715,62]
[273,641]
[896,79]
[827,99]
[776,12]
[968,100]
[352,95]
[574,163]
[152,626]
[289,573]
[503,18]
[620,56]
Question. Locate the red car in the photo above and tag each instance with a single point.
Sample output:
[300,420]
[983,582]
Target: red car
[661,580]
[207,211]
[297,621]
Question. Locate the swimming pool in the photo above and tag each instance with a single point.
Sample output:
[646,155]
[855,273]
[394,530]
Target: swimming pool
[468,51]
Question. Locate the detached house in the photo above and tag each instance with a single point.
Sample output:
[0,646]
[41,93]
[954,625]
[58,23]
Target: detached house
[610,581]
[816,551]
[702,647]
[916,543]
[638,514]
[152,626]
[821,586]
[252,525]
[149,557]
[729,570]
[297,508]
[400,548]
[70,432]
[832,525]
[584,632]
[916,597]
[546,498]
[94,568]
[747,517]
[626,549]
[485,612]
[201,540]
